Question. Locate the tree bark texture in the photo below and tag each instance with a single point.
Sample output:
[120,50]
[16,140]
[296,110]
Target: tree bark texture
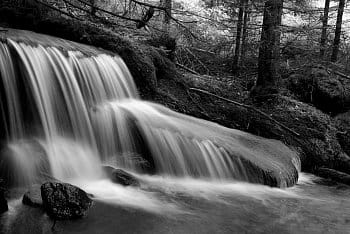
[324,28]
[337,35]
[269,50]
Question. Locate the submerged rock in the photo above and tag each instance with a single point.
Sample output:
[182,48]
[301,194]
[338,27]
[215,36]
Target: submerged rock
[64,201]
[120,176]
[33,197]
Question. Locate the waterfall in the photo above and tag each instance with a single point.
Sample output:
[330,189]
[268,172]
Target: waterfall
[83,110]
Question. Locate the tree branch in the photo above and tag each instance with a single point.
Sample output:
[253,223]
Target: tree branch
[108,12]
[248,107]
[187,69]
[56,9]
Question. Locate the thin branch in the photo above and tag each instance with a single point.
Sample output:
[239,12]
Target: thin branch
[248,107]
[341,74]
[149,5]
[200,62]
[166,12]
[56,9]
[187,69]
[204,51]
[108,12]
[95,16]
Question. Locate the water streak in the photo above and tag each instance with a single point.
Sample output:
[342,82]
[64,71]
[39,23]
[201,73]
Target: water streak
[84,111]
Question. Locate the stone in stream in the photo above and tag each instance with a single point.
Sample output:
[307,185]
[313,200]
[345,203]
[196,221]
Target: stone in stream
[64,201]
[33,196]
[120,176]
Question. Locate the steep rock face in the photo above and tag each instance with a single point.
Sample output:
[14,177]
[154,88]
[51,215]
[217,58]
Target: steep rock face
[64,201]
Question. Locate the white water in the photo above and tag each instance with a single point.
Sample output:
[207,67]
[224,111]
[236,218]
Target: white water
[83,112]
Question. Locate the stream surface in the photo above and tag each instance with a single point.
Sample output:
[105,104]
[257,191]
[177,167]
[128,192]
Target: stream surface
[168,205]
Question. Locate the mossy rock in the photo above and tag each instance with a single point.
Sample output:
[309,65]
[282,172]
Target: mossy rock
[317,132]
[64,201]
[325,90]
[342,123]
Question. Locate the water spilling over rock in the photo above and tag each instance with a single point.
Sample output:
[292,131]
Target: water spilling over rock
[82,106]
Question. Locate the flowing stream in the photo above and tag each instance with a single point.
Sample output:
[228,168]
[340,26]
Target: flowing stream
[67,110]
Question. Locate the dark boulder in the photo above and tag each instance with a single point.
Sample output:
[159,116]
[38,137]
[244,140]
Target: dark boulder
[3,201]
[120,176]
[64,201]
[342,123]
[333,175]
[33,197]
[329,92]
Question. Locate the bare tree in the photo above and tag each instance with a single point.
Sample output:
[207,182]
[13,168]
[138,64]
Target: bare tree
[269,50]
[235,67]
[324,28]
[244,33]
[337,35]
[167,15]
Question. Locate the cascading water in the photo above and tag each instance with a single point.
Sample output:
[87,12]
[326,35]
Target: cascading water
[83,111]
[66,109]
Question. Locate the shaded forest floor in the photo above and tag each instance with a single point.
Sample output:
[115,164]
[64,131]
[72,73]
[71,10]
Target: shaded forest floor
[310,114]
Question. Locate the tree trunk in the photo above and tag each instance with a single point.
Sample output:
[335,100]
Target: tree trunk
[93,7]
[269,50]
[235,67]
[337,35]
[324,28]
[167,16]
[244,34]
